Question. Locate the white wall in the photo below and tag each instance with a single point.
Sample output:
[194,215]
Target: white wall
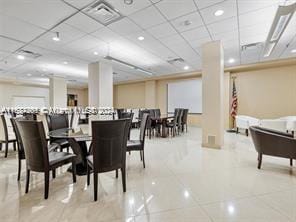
[8,90]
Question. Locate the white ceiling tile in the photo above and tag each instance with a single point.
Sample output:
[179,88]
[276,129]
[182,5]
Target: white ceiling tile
[3,54]
[265,15]
[206,3]
[124,27]
[198,33]
[194,20]
[199,42]
[129,9]
[245,6]
[84,23]
[161,31]
[42,13]
[17,29]
[226,36]
[9,45]
[172,8]
[148,17]
[228,6]
[172,40]
[225,25]
[106,34]
[79,3]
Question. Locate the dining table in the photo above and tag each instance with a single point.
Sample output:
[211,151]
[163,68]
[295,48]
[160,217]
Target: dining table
[162,120]
[78,138]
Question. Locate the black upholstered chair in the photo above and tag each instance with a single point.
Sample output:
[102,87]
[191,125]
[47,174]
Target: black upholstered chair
[174,123]
[184,119]
[138,145]
[179,121]
[38,158]
[109,139]
[20,148]
[5,136]
[58,121]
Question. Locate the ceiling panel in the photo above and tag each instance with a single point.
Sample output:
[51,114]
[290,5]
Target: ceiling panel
[17,29]
[225,25]
[79,4]
[42,13]
[206,3]
[187,22]
[84,23]
[198,33]
[129,9]
[253,5]
[172,8]
[124,27]
[9,45]
[163,30]
[106,35]
[148,17]
[228,6]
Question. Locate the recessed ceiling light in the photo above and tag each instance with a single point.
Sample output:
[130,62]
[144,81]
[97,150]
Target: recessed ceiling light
[56,37]
[96,53]
[141,38]
[66,63]
[186,67]
[29,74]
[219,12]
[231,60]
[21,57]
[293,50]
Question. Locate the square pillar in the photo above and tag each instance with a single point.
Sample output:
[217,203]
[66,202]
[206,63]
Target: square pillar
[212,95]
[100,85]
[58,92]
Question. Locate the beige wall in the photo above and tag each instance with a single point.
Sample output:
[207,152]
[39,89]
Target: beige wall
[82,96]
[267,93]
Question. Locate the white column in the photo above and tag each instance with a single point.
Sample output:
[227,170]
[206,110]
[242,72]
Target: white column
[212,95]
[58,92]
[100,85]
[150,94]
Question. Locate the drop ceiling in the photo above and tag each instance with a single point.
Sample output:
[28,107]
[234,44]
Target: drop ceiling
[171,29]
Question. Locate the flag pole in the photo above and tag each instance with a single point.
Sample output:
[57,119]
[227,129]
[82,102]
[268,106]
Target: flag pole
[233,107]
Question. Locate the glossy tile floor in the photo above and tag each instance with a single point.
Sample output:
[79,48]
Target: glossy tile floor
[181,182]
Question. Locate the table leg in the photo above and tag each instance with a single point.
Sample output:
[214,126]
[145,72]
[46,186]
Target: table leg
[80,149]
[163,129]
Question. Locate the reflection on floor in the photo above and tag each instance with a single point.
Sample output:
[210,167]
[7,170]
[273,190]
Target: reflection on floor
[181,182]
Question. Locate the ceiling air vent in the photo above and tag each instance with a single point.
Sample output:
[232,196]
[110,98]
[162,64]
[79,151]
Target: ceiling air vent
[251,46]
[176,60]
[28,54]
[102,12]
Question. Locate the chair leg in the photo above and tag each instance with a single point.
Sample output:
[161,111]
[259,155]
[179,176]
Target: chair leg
[0,146]
[123,179]
[87,174]
[19,169]
[14,146]
[116,173]
[74,170]
[53,173]
[291,162]
[6,150]
[141,155]
[143,158]
[259,161]
[95,186]
[46,184]
[237,130]
[27,180]
[247,132]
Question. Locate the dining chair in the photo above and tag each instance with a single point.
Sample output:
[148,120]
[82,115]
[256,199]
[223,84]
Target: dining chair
[184,119]
[174,123]
[38,158]
[179,122]
[58,121]
[6,137]
[128,115]
[138,145]
[20,148]
[109,139]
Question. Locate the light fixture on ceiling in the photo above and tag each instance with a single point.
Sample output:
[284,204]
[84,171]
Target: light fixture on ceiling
[56,37]
[128,2]
[29,74]
[96,53]
[293,51]
[231,60]
[65,62]
[280,22]
[186,67]
[20,57]
[141,38]
[127,64]
[219,12]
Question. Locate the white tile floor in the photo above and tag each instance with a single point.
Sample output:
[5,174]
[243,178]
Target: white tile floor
[181,182]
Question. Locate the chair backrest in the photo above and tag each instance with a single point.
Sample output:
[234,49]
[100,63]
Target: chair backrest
[3,128]
[275,124]
[143,127]
[32,135]
[109,139]
[20,146]
[30,116]
[119,112]
[180,116]
[75,120]
[57,121]
[43,118]
[127,115]
[176,116]
[157,113]
[185,116]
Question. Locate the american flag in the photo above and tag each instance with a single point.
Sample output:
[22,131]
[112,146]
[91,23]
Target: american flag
[233,111]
